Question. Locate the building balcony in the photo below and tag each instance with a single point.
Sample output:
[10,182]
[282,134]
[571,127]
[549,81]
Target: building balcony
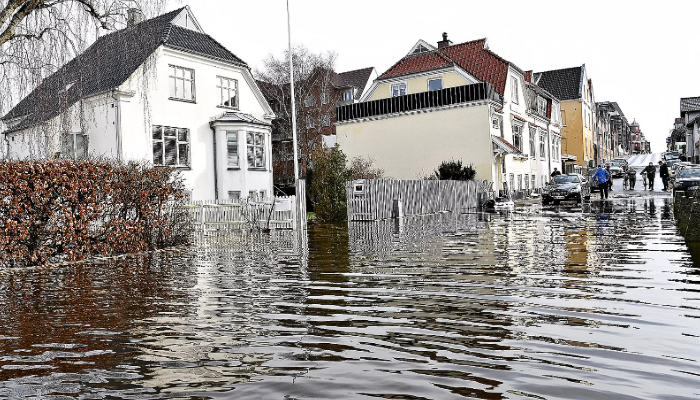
[418,101]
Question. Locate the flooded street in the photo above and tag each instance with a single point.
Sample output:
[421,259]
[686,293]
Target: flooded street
[599,302]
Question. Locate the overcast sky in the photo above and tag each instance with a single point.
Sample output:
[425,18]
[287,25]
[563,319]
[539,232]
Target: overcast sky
[640,54]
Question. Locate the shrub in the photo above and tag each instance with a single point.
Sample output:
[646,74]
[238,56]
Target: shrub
[62,209]
[363,168]
[327,190]
[453,170]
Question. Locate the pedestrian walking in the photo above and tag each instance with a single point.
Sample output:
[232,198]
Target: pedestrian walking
[632,177]
[555,173]
[663,173]
[602,176]
[610,181]
[650,172]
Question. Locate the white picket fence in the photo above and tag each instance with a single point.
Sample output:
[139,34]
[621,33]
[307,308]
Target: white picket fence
[378,199]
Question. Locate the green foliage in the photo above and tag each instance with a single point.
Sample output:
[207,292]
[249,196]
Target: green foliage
[327,190]
[455,171]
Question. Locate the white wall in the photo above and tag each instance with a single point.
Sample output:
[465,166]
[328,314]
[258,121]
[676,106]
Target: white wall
[412,146]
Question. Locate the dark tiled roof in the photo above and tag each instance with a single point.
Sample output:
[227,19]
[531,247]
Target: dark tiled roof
[564,84]
[108,63]
[690,104]
[357,79]
[473,57]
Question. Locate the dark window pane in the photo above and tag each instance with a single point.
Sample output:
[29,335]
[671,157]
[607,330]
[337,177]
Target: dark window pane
[158,153]
[184,154]
[259,157]
[170,151]
[182,134]
[158,132]
[250,156]
[170,132]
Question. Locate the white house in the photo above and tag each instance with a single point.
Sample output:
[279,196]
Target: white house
[160,90]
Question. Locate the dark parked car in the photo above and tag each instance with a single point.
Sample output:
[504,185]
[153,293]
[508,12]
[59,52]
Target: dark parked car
[687,181]
[617,169]
[569,187]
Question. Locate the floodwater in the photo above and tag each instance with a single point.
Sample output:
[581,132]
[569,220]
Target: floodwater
[600,302]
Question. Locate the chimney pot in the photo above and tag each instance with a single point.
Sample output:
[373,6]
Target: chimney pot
[134,16]
[444,42]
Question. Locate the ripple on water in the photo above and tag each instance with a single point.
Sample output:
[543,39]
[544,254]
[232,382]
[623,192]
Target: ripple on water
[572,304]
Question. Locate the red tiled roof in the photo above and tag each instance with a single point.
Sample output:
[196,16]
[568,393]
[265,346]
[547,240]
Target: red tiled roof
[417,63]
[501,142]
[519,117]
[473,57]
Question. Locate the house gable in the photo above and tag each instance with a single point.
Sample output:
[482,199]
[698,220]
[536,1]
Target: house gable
[187,20]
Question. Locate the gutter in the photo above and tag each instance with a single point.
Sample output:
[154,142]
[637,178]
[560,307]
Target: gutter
[118,122]
[216,174]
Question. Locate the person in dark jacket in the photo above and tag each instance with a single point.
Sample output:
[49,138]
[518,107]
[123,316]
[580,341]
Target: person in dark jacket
[650,171]
[555,173]
[663,173]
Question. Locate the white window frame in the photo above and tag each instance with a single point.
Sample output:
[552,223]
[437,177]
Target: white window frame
[252,149]
[542,106]
[309,101]
[435,79]
[326,120]
[73,155]
[543,144]
[348,95]
[517,130]
[225,88]
[324,98]
[310,122]
[234,195]
[175,79]
[233,157]
[178,143]
[515,90]
[533,141]
[399,86]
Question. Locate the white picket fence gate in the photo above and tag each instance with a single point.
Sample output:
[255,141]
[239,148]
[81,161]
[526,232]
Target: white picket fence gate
[225,215]
[378,199]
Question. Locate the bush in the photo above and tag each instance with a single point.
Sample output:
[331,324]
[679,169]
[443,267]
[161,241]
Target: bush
[68,210]
[327,189]
[453,170]
[363,168]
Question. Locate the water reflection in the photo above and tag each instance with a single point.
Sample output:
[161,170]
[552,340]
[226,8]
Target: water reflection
[594,302]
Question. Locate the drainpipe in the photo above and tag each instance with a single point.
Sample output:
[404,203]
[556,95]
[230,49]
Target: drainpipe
[118,125]
[216,174]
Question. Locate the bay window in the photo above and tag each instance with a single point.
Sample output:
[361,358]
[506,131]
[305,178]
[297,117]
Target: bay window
[232,149]
[255,146]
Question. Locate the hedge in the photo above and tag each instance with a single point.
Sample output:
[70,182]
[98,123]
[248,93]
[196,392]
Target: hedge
[70,210]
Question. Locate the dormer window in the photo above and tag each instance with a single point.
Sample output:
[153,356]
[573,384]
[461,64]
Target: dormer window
[398,89]
[434,84]
[347,96]
[421,49]
[542,106]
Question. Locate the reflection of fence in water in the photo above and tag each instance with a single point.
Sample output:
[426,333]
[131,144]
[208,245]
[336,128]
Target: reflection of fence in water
[393,234]
[232,215]
[378,199]
[251,242]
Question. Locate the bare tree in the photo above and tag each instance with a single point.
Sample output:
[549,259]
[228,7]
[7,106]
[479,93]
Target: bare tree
[37,37]
[313,82]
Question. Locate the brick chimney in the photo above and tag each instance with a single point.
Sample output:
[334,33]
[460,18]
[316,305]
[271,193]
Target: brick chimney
[134,16]
[444,42]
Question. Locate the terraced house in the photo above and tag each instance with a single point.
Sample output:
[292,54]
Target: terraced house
[455,102]
[161,91]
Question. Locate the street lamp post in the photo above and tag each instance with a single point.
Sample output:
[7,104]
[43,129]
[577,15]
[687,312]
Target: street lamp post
[294,123]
